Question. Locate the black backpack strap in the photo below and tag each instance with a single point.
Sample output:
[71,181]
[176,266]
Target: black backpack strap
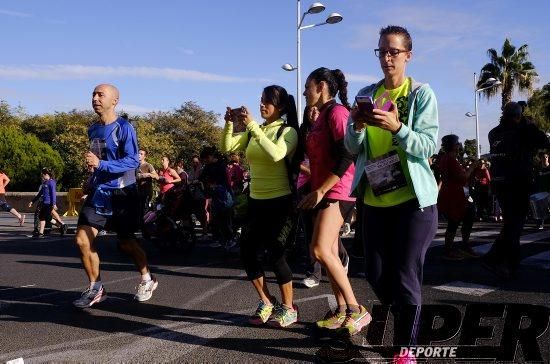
[288,163]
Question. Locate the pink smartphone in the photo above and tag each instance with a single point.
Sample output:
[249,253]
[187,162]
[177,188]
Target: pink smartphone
[387,106]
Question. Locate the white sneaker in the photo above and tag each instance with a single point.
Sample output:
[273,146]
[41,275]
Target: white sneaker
[310,282]
[145,289]
[346,230]
[90,297]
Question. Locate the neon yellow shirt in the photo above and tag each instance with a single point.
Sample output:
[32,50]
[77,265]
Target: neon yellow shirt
[381,141]
[265,155]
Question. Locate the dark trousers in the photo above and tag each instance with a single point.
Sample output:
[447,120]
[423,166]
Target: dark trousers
[467,223]
[514,201]
[396,240]
[265,226]
[222,225]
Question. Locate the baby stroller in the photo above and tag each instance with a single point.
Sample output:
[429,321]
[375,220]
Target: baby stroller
[169,224]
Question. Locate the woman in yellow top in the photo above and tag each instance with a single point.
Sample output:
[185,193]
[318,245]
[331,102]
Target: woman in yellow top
[270,203]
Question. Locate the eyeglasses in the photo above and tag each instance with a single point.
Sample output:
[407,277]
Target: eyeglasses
[393,52]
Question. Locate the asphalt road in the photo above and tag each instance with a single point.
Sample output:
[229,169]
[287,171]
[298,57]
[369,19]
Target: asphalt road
[199,312]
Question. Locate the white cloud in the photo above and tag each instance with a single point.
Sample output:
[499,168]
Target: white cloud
[80,72]
[15,13]
[186,51]
[367,79]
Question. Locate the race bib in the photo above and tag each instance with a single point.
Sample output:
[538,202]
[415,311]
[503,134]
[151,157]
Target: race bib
[385,173]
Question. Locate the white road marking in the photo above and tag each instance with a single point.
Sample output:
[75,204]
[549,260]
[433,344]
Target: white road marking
[466,288]
[458,238]
[541,260]
[525,239]
[16,361]
[26,286]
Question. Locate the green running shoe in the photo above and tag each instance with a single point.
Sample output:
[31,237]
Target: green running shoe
[262,314]
[355,321]
[284,316]
[332,320]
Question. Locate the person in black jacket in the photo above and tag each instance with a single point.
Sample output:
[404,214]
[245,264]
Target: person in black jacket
[514,143]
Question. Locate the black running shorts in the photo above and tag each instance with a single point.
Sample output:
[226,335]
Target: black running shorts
[125,220]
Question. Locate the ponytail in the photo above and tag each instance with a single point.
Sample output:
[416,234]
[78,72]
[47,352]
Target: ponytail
[336,82]
[342,87]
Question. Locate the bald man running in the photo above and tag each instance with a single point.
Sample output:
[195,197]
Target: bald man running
[112,202]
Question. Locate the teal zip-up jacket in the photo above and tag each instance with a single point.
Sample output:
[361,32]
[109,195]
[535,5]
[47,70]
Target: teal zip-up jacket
[418,139]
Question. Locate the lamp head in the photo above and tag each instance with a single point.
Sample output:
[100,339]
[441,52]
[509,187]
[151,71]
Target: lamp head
[334,18]
[469,114]
[316,8]
[288,67]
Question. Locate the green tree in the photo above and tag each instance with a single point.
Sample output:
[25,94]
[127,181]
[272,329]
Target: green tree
[512,68]
[470,148]
[189,127]
[7,116]
[538,107]
[23,156]
[67,133]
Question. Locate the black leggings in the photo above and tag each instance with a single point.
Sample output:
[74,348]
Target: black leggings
[266,219]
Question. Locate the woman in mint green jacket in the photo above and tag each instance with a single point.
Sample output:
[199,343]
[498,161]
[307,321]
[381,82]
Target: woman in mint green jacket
[393,140]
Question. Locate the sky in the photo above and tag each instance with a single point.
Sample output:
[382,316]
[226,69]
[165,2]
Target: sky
[217,53]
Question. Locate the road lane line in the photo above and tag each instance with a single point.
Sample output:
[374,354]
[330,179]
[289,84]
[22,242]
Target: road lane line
[466,288]
[26,286]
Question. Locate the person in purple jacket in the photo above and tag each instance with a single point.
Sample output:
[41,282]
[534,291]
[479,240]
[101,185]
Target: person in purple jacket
[113,202]
[49,203]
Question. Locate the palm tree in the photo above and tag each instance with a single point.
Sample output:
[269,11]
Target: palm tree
[512,68]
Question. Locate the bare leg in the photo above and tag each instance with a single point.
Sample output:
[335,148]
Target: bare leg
[339,297]
[16,214]
[287,294]
[133,249]
[41,226]
[325,234]
[56,217]
[85,236]
[263,291]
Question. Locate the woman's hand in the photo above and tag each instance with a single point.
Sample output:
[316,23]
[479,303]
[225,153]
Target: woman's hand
[313,114]
[245,116]
[30,204]
[311,200]
[359,119]
[228,117]
[387,120]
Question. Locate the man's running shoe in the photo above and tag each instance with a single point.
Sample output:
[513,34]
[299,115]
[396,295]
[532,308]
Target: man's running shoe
[355,321]
[263,313]
[145,289]
[39,236]
[310,281]
[22,220]
[284,316]
[90,297]
[333,320]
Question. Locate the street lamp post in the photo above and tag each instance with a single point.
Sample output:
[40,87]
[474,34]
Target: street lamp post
[315,8]
[491,82]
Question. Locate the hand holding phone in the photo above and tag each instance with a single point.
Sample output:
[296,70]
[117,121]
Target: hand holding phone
[236,116]
[365,104]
